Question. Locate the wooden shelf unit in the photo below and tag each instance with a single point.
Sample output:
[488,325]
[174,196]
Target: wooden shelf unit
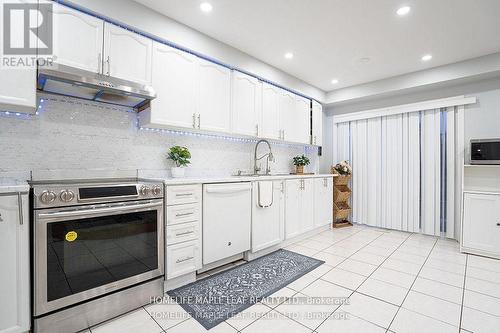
[341,196]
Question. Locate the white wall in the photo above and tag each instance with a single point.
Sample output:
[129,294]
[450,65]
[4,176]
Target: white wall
[482,120]
[71,134]
[148,21]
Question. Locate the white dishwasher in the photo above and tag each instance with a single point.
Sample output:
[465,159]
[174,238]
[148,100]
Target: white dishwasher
[227,214]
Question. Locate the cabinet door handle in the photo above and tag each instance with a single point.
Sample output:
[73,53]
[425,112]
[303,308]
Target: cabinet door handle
[184,233]
[20,205]
[199,120]
[184,214]
[178,261]
[109,66]
[194,120]
[257,129]
[498,224]
[1,218]
[183,194]
[283,134]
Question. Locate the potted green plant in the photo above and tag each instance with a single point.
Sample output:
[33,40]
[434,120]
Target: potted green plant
[300,161]
[180,156]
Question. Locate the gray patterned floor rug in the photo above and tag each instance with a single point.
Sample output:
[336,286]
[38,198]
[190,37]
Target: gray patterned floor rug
[223,295]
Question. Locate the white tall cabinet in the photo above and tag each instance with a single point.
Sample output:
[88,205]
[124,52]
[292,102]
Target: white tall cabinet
[245,104]
[299,201]
[15,259]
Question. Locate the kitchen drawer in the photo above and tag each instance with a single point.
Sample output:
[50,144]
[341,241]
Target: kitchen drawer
[182,232]
[183,213]
[183,194]
[183,258]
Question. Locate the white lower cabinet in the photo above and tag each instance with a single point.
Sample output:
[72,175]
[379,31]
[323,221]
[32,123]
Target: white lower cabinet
[268,223]
[323,201]
[299,204]
[183,230]
[481,224]
[15,259]
[183,258]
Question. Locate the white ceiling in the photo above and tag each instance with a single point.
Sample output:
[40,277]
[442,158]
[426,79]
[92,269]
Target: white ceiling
[329,37]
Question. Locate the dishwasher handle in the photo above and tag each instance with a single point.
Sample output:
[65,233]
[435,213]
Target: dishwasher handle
[224,189]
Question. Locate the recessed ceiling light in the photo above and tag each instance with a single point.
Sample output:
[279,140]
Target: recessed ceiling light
[403,10]
[427,57]
[335,81]
[288,55]
[206,7]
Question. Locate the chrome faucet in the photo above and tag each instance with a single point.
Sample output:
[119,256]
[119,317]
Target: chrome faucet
[269,157]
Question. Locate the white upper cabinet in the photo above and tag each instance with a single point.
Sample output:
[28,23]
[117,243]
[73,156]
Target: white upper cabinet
[214,97]
[295,117]
[174,80]
[15,259]
[77,38]
[287,115]
[270,119]
[302,120]
[317,124]
[246,103]
[18,89]
[127,55]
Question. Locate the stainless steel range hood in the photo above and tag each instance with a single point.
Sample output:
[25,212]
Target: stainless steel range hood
[74,82]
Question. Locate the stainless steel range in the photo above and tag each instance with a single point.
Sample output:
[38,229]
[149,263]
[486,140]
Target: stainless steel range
[98,251]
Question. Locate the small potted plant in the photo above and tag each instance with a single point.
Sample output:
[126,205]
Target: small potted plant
[180,156]
[300,161]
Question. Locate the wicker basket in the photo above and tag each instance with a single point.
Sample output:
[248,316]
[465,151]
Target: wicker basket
[341,180]
[341,210]
[341,193]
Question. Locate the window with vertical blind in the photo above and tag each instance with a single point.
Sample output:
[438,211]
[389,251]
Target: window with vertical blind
[405,168]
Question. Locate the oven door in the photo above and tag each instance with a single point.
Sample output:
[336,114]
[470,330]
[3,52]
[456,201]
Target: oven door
[87,251]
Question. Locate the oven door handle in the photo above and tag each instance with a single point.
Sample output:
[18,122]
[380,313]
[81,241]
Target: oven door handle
[87,212]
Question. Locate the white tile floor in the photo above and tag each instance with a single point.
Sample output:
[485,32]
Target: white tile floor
[380,281]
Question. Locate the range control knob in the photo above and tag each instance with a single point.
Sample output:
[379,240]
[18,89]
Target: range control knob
[48,197]
[144,190]
[66,196]
[156,190]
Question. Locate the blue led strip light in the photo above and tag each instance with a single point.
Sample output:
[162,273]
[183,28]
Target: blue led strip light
[223,137]
[178,47]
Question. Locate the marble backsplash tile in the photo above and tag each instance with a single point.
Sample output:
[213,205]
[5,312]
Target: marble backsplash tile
[71,134]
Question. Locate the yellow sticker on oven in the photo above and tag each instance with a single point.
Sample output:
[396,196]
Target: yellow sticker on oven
[71,236]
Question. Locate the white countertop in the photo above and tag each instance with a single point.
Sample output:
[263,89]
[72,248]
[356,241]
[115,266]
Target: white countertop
[236,179]
[8,185]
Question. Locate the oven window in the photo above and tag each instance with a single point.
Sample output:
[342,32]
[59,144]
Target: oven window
[88,253]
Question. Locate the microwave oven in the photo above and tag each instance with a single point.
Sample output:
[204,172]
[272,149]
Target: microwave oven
[485,151]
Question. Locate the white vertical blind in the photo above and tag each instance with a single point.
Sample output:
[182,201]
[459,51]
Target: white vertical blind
[404,169]
[430,171]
